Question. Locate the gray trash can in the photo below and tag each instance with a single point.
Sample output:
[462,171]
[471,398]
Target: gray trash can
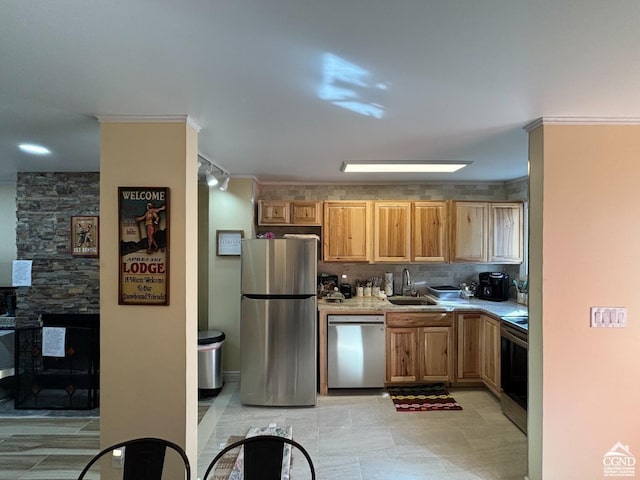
[210,361]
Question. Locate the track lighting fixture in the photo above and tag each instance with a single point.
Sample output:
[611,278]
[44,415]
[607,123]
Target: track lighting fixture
[213,174]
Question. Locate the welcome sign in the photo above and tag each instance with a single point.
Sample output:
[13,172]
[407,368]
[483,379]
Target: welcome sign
[143,217]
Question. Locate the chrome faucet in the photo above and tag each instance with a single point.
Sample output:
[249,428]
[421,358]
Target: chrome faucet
[406,282]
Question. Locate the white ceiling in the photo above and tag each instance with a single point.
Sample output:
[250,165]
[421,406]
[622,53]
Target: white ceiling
[450,80]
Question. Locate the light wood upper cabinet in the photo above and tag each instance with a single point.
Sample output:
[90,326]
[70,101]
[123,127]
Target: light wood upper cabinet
[470,232]
[408,231]
[347,231]
[490,358]
[306,213]
[275,212]
[392,232]
[507,228]
[419,347]
[430,228]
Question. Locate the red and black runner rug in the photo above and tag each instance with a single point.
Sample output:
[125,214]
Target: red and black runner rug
[422,398]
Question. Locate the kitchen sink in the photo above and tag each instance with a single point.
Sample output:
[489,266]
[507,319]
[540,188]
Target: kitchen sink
[399,300]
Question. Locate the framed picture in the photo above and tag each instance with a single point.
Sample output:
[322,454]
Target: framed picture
[143,219]
[84,236]
[228,242]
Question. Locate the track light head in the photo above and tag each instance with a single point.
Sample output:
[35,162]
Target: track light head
[224,184]
[212,181]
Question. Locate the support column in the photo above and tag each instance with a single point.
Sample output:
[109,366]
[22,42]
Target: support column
[148,371]
[584,229]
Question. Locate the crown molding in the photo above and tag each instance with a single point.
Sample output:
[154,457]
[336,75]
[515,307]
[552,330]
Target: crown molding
[149,119]
[581,121]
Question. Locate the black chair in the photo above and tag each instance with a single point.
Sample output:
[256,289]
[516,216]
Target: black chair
[262,457]
[143,458]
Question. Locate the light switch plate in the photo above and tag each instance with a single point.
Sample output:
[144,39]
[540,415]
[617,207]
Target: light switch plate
[606,317]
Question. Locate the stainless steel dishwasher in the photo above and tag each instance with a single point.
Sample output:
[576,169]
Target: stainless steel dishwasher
[355,351]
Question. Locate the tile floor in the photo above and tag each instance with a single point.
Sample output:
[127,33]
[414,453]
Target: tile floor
[352,435]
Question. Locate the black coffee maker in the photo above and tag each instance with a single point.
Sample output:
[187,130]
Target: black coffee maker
[493,286]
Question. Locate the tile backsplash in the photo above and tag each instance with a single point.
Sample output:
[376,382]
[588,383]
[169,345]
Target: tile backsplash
[487,191]
[421,274]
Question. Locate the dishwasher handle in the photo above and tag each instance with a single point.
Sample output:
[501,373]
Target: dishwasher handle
[355,320]
[360,324]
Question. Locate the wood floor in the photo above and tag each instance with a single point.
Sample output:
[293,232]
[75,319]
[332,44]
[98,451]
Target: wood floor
[354,436]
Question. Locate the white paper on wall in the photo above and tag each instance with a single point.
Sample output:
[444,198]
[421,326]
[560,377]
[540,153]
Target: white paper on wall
[53,341]
[21,273]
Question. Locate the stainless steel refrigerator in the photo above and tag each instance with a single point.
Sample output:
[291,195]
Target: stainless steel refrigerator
[278,325]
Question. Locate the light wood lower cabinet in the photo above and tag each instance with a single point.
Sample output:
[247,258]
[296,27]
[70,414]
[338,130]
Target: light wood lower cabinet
[490,358]
[436,350]
[469,327]
[419,347]
[402,354]
[478,355]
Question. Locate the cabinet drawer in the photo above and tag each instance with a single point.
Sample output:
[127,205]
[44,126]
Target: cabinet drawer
[423,319]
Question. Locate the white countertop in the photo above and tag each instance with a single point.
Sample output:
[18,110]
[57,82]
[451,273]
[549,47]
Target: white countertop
[357,304]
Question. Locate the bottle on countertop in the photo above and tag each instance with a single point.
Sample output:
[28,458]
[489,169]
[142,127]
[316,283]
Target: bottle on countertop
[388,284]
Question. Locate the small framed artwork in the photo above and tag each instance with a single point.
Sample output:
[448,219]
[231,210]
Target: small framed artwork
[84,236]
[228,242]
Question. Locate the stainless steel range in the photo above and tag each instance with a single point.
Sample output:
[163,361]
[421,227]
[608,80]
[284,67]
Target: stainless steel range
[514,335]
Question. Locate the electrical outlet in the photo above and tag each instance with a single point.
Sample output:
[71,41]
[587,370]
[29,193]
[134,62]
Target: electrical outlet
[117,458]
[605,317]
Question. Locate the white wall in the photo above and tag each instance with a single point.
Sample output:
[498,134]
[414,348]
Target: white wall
[230,210]
[583,253]
[8,238]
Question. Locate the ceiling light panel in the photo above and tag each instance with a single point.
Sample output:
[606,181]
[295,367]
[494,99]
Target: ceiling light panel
[403,167]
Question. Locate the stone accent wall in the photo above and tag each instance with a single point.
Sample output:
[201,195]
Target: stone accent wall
[60,282]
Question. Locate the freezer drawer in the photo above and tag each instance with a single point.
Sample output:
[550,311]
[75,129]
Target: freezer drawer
[278,352]
[355,350]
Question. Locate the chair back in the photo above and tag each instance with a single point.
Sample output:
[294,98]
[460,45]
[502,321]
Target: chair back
[143,458]
[262,457]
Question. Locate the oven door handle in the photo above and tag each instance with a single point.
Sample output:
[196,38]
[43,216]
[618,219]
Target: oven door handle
[512,338]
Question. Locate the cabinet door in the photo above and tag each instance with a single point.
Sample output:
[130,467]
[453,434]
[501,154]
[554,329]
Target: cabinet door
[430,232]
[271,212]
[507,232]
[401,355]
[436,354]
[470,232]
[347,236]
[306,213]
[469,328]
[392,232]
[491,353]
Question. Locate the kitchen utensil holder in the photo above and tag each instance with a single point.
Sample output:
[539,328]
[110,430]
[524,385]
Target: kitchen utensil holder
[523,298]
